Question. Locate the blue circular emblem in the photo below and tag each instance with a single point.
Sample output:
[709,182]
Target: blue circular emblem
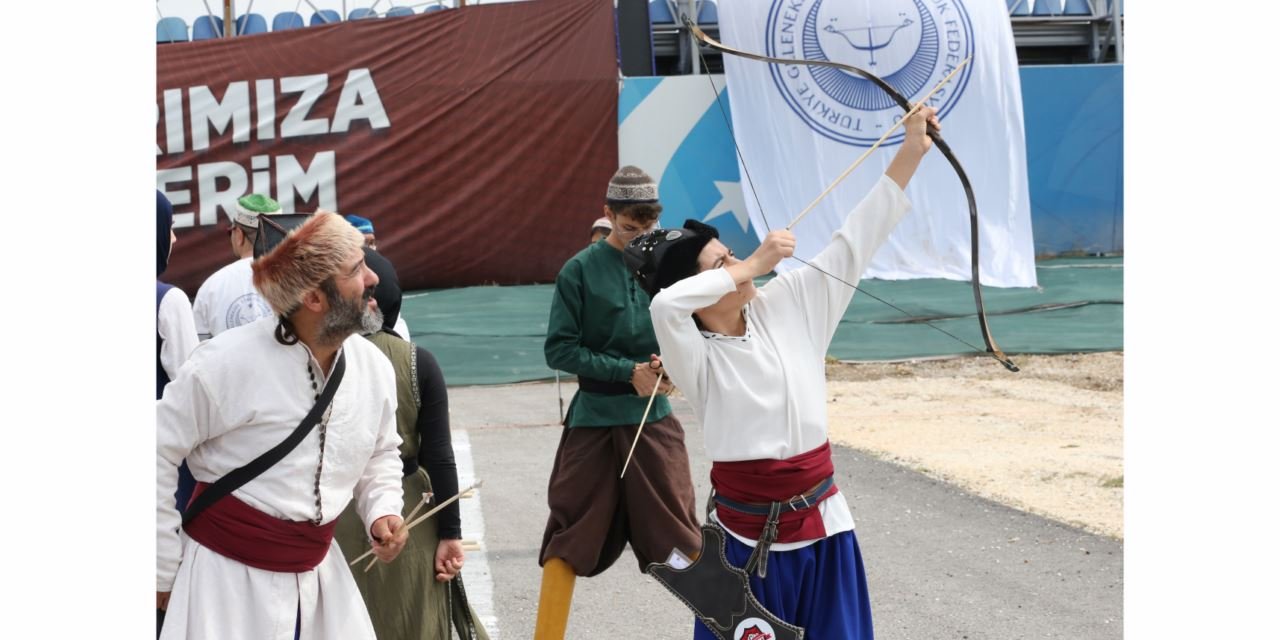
[245,309]
[910,44]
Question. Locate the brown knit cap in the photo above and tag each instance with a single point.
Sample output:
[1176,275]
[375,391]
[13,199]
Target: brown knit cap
[630,185]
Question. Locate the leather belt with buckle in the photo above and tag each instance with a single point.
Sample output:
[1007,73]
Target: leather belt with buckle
[798,502]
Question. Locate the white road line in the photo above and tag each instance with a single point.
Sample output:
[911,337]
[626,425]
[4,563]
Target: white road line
[476,573]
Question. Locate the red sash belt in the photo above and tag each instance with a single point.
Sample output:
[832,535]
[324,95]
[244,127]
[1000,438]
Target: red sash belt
[765,481]
[238,531]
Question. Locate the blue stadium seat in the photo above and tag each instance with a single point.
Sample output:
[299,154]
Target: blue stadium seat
[325,16]
[286,20]
[1019,7]
[660,13]
[396,12]
[251,23]
[361,13]
[206,27]
[171,30]
[1047,8]
[434,7]
[1077,8]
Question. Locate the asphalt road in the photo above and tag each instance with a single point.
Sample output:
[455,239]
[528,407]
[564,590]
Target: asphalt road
[941,563]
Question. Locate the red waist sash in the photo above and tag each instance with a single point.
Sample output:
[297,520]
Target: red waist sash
[765,481]
[236,530]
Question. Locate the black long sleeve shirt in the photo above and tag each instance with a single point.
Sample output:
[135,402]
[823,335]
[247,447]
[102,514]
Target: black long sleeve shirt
[435,446]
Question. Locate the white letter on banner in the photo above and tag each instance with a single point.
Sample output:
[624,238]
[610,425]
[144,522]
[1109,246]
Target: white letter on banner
[159,151]
[359,100]
[296,124]
[206,110]
[321,176]
[165,177]
[266,92]
[261,167]
[211,198]
[173,121]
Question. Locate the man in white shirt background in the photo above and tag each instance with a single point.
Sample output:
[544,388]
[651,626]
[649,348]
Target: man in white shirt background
[227,298]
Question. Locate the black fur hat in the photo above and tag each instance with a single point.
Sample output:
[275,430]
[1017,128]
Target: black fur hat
[663,257]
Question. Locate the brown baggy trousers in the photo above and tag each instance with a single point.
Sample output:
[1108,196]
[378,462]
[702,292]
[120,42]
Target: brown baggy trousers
[594,513]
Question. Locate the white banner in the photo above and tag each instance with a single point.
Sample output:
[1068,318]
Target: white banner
[800,126]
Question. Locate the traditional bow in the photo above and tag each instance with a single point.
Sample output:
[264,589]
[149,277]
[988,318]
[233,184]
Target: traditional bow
[942,146]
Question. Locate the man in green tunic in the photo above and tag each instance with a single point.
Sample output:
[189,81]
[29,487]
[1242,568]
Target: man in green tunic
[600,330]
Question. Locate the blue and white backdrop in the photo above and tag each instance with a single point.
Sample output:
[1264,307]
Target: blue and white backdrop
[807,124]
[673,128]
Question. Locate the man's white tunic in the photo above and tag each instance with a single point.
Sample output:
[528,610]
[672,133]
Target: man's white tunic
[234,399]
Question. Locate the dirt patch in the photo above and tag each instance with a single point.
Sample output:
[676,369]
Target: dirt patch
[1048,439]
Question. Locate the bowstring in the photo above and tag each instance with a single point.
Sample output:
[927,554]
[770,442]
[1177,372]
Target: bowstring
[741,160]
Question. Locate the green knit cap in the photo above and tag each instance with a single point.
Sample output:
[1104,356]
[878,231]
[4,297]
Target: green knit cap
[253,205]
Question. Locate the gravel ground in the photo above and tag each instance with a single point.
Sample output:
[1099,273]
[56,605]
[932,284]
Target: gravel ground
[1048,439]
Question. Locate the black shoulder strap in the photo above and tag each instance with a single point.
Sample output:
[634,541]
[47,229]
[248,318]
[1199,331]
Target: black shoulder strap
[460,611]
[237,478]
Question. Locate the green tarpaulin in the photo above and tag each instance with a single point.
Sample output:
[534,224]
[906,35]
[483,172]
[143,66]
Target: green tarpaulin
[493,335]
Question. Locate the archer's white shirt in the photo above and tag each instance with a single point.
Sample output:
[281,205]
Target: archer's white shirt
[763,395]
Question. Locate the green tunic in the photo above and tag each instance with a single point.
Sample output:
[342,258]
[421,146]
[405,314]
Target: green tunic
[600,328]
[404,600]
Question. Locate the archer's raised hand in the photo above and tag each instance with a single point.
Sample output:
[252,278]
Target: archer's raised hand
[915,144]
[917,127]
[776,246]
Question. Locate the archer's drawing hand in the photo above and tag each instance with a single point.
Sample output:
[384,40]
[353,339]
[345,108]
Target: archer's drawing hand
[776,246]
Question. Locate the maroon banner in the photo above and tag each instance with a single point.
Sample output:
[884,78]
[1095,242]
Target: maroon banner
[478,140]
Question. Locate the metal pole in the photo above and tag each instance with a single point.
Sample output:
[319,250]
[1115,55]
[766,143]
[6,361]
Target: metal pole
[228,19]
[1115,19]
[693,40]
